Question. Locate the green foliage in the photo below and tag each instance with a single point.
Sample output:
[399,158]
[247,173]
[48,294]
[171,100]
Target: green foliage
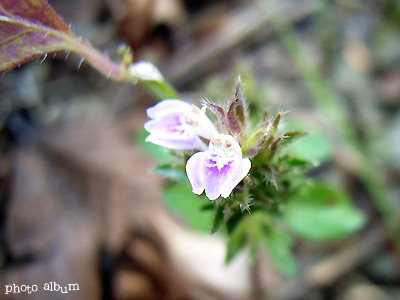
[219,218]
[278,243]
[258,230]
[317,212]
[315,147]
[237,240]
[169,172]
[321,212]
[180,199]
[160,89]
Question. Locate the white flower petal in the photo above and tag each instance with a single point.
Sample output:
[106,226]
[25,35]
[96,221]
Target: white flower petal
[205,128]
[145,71]
[176,124]
[168,106]
[194,167]
[174,142]
[234,147]
[237,174]
[219,169]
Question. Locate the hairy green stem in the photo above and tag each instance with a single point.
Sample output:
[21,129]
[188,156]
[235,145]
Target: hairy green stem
[161,89]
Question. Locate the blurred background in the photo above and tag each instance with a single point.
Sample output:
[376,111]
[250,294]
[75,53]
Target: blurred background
[79,204]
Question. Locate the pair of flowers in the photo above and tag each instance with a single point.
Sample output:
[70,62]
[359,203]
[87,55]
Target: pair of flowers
[218,167]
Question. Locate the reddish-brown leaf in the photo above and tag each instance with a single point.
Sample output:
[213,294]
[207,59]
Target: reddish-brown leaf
[237,110]
[234,123]
[31,28]
[28,29]
[34,11]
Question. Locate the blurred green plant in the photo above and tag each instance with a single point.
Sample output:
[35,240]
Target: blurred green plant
[275,202]
[333,108]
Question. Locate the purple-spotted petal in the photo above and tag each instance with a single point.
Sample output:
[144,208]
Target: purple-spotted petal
[173,124]
[238,172]
[215,179]
[219,169]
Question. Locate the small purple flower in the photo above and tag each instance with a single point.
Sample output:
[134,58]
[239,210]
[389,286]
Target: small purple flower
[219,169]
[178,125]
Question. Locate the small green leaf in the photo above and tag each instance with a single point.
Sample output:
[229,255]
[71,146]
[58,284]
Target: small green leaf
[299,162]
[278,243]
[237,241]
[232,221]
[160,89]
[291,136]
[321,212]
[276,122]
[255,234]
[219,218]
[180,199]
[314,147]
[168,172]
[320,224]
